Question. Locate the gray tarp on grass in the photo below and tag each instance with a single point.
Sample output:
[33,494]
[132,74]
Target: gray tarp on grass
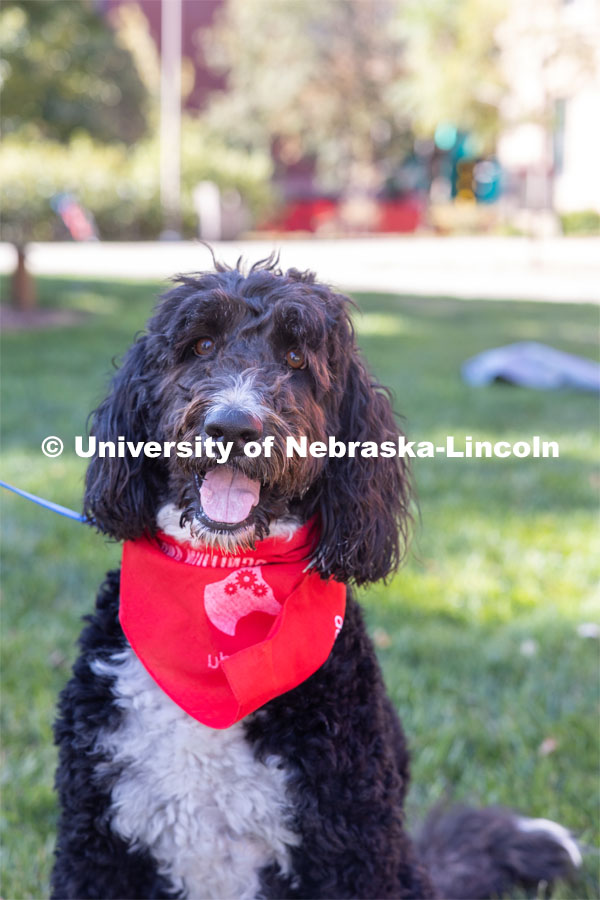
[532,365]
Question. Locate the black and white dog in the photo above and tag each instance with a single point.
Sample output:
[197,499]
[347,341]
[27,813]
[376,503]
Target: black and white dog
[304,796]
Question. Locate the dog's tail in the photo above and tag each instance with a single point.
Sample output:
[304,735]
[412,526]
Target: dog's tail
[478,853]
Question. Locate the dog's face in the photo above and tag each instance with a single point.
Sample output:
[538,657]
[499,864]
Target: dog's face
[260,357]
[259,362]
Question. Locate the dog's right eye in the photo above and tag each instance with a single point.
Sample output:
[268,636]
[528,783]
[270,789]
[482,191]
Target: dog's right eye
[204,346]
[295,359]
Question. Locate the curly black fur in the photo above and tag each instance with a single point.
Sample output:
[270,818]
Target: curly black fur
[92,860]
[338,737]
[337,732]
[162,392]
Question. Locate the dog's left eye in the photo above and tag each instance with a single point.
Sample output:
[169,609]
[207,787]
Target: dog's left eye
[204,346]
[295,359]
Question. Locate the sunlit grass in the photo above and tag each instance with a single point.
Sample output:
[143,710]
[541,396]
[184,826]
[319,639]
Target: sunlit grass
[477,634]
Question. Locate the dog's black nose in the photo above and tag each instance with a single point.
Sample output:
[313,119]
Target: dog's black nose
[233,425]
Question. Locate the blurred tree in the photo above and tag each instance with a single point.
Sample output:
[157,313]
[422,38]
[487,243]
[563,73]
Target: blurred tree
[350,83]
[453,74]
[63,71]
[312,79]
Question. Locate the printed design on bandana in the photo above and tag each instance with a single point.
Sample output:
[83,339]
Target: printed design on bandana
[206,559]
[238,595]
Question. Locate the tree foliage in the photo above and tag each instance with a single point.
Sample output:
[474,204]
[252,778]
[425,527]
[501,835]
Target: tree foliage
[63,72]
[313,78]
[452,66]
[351,82]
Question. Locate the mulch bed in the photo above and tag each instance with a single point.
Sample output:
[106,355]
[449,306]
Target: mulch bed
[12,319]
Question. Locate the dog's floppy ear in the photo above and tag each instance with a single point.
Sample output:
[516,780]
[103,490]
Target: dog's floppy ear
[121,494]
[364,502]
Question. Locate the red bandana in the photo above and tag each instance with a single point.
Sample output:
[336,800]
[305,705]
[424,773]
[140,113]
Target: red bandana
[221,634]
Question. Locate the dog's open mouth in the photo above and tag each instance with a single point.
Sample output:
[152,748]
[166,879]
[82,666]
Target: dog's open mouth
[227,498]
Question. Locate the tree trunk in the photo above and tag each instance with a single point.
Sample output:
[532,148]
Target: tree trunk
[23,286]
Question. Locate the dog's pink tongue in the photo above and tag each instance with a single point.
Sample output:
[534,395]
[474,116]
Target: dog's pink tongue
[228,495]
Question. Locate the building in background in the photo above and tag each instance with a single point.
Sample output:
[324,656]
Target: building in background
[198,79]
[549,147]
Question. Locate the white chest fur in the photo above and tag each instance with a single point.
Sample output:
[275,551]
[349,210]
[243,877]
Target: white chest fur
[208,811]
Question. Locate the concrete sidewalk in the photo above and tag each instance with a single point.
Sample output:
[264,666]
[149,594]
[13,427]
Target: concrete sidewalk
[552,270]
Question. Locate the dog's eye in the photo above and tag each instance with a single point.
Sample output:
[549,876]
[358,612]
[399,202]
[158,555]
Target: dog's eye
[204,346]
[295,359]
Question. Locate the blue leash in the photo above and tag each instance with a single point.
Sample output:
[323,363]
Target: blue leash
[55,507]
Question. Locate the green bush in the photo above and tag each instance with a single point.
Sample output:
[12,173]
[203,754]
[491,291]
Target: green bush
[118,184]
[32,174]
[585,221]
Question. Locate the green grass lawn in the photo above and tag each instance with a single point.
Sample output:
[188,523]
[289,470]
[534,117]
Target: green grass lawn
[477,634]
